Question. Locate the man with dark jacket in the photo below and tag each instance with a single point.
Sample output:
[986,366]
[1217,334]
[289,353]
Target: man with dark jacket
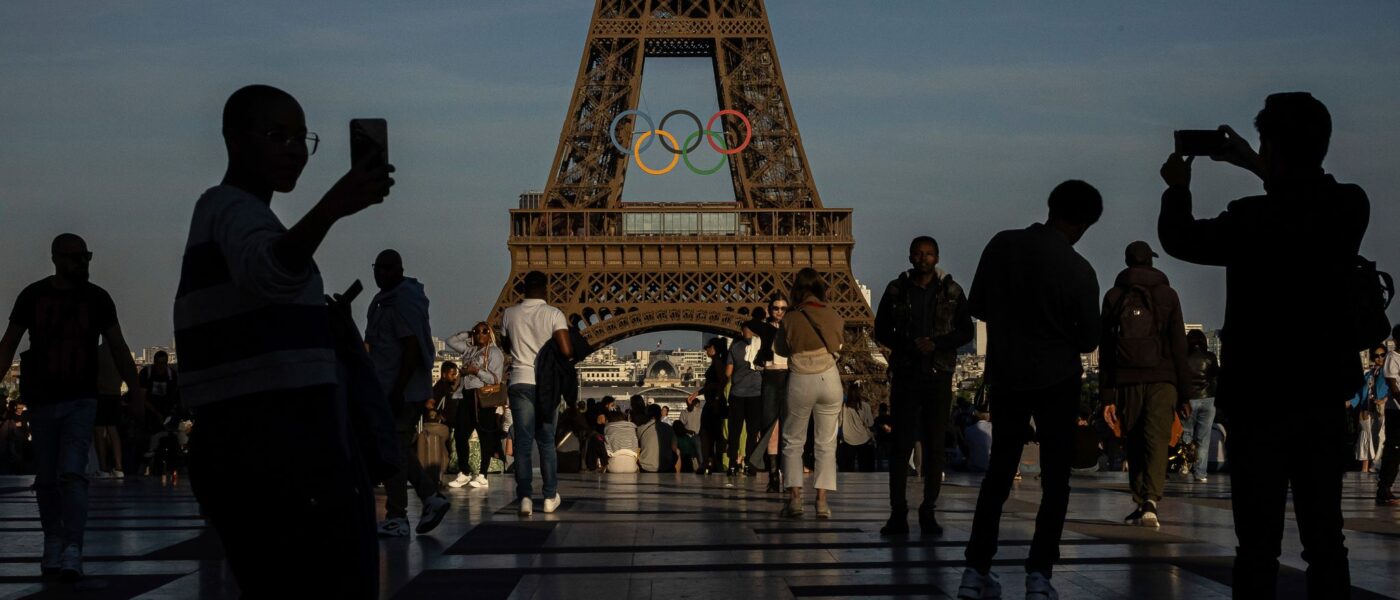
[1142,366]
[1265,290]
[922,319]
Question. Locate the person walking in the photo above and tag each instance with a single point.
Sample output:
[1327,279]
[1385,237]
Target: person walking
[1390,428]
[1143,371]
[1305,206]
[67,318]
[528,326]
[745,396]
[1202,369]
[713,409]
[811,341]
[923,320]
[1039,299]
[775,378]
[400,345]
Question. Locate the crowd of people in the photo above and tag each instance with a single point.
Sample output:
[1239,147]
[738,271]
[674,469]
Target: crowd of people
[272,367]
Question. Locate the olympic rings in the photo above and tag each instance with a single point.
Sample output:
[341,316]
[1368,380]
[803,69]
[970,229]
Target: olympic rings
[715,139]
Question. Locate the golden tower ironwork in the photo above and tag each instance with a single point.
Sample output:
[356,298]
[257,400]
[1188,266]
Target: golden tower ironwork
[619,269]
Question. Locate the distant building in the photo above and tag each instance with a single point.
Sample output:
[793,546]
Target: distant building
[979,336]
[865,292]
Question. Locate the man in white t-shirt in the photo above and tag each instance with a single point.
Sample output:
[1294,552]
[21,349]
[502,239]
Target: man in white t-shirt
[528,326]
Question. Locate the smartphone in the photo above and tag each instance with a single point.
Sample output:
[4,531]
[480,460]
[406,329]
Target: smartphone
[369,138]
[352,292]
[1199,142]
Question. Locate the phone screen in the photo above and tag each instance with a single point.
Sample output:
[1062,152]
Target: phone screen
[369,138]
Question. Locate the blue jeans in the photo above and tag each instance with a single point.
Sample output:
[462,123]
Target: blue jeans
[528,435]
[62,437]
[1198,429]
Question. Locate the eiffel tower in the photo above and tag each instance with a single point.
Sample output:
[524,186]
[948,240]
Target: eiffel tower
[619,269]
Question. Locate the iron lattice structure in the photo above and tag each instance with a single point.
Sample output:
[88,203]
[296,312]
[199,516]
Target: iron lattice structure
[621,269]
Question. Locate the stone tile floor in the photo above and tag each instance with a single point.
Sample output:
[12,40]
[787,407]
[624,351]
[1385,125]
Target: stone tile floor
[686,536]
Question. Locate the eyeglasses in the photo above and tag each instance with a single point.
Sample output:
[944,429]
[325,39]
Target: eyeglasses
[82,256]
[481,331]
[286,140]
[779,308]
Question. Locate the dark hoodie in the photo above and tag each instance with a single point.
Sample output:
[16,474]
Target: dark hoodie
[1167,309]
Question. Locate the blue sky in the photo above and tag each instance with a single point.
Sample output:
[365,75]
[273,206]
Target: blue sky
[949,119]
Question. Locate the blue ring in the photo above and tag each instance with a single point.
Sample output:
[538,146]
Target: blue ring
[612,130]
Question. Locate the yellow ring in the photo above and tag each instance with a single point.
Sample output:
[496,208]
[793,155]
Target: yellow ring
[637,153]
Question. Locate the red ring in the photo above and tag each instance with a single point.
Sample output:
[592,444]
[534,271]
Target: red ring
[747,137]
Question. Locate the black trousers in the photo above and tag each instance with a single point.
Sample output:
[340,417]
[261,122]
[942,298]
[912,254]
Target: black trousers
[774,408]
[425,483]
[311,509]
[855,458]
[1270,448]
[711,441]
[921,409]
[745,423]
[484,422]
[1390,456]
[1056,410]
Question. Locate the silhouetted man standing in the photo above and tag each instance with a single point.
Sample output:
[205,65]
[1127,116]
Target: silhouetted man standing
[270,461]
[400,344]
[923,320]
[1265,289]
[1142,371]
[1040,300]
[65,316]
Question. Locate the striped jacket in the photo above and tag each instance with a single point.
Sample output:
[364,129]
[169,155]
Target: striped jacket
[243,323]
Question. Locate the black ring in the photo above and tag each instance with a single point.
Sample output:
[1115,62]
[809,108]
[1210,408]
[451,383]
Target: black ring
[698,126]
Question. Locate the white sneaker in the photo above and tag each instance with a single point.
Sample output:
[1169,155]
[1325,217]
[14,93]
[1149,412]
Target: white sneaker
[527,507]
[552,503]
[1201,480]
[71,568]
[976,586]
[1038,587]
[52,561]
[461,480]
[118,474]
[479,482]
[396,527]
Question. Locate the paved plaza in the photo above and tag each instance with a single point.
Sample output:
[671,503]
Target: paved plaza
[686,536]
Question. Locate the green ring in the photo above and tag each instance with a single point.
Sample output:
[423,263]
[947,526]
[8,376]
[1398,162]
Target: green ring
[723,158]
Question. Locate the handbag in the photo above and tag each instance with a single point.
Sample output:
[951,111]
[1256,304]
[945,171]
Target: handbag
[491,396]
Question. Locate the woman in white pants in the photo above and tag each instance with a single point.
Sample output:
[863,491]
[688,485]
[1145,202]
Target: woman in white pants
[811,339]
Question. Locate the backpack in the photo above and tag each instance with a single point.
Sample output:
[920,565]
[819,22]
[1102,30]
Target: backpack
[1371,293]
[1135,327]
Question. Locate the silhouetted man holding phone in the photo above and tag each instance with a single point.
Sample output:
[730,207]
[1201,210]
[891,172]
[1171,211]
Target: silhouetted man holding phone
[270,460]
[1267,288]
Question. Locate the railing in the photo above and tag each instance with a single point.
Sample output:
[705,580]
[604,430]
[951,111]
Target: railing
[699,222]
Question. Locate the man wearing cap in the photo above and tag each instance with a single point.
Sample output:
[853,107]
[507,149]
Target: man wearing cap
[1143,372]
[923,319]
[528,326]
